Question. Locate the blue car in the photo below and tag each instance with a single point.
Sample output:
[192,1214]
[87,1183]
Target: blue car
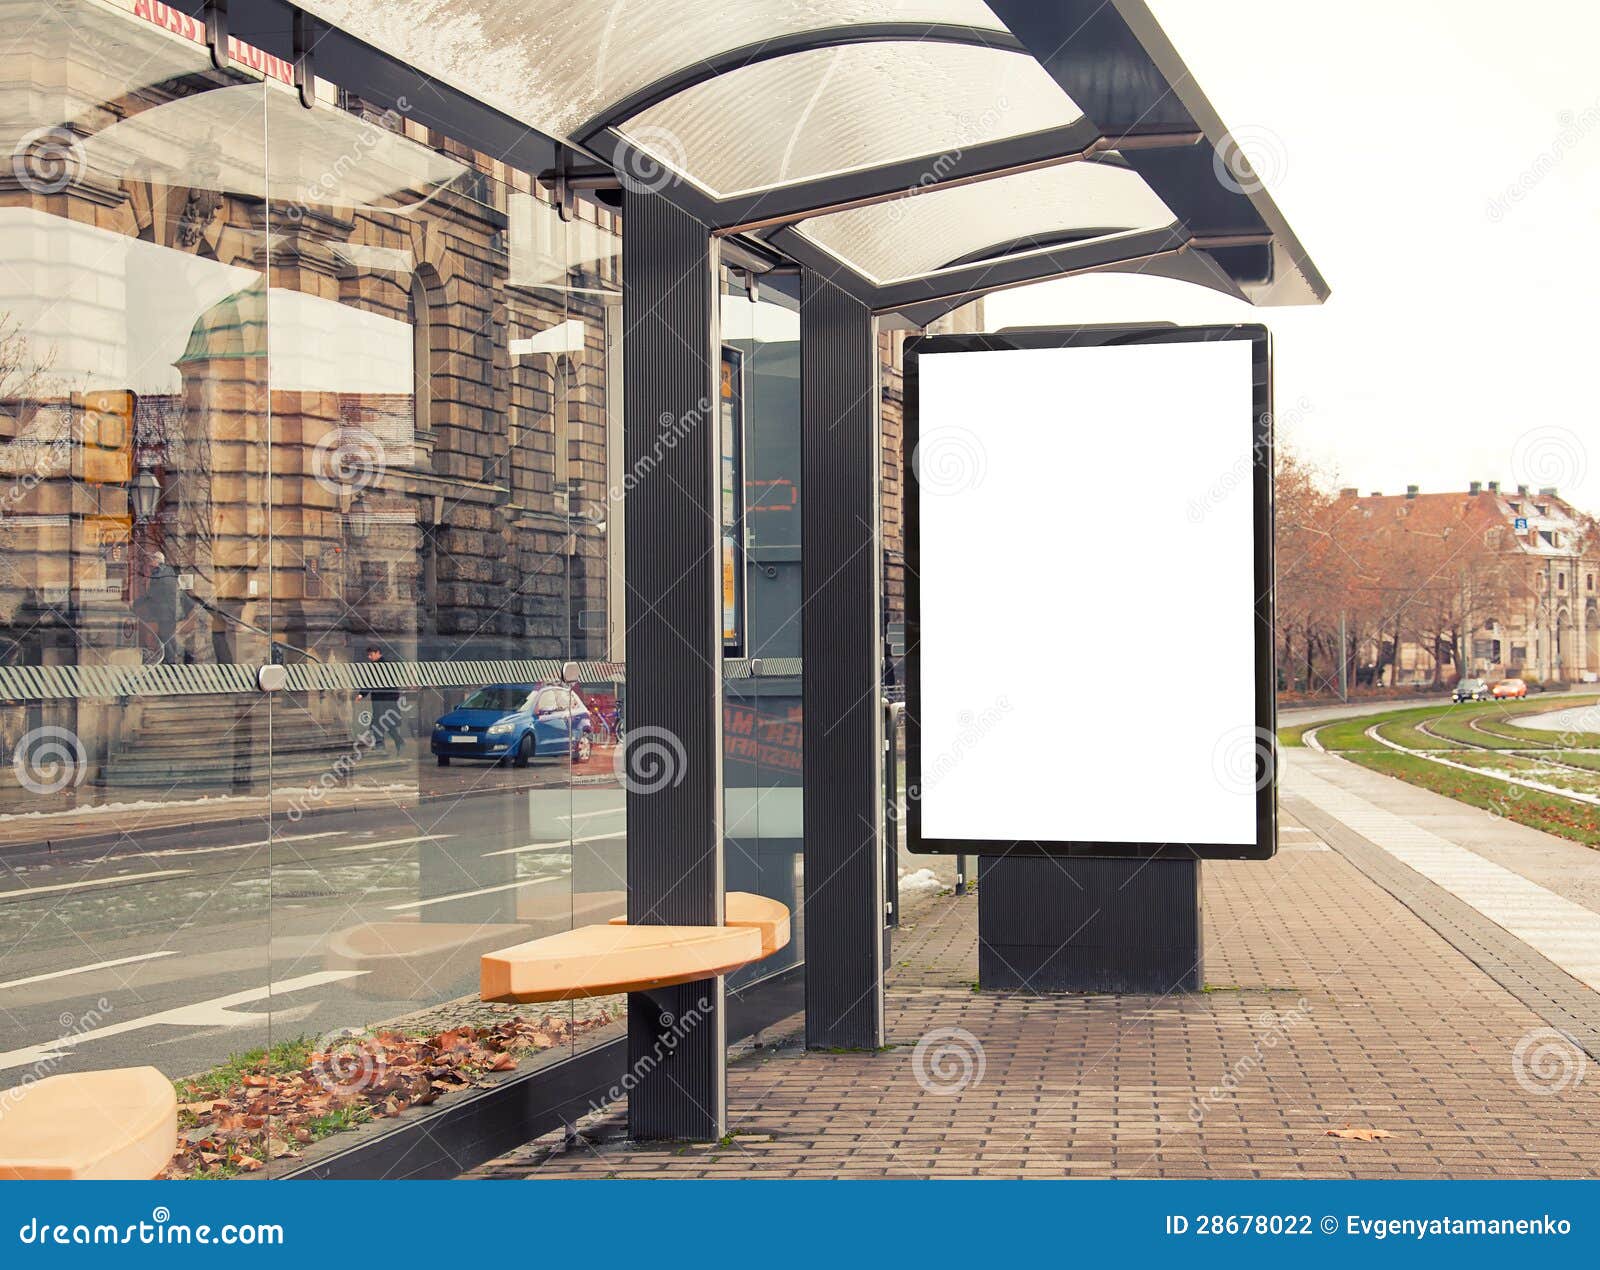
[516,722]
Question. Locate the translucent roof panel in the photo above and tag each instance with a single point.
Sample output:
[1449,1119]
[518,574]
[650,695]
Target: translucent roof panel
[910,237]
[555,64]
[830,110]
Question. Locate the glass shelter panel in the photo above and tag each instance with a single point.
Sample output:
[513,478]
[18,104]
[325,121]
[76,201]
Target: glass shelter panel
[441,413]
[762,722]
[136,587]
[311,631]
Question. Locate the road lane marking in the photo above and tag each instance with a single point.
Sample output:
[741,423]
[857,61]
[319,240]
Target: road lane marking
[73,886]
[245,846]
[216,1012]
[78,970]
[555,844]
[397,842]
[464,895]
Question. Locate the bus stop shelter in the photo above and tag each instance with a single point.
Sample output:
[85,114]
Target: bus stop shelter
[883,162]
[940,151]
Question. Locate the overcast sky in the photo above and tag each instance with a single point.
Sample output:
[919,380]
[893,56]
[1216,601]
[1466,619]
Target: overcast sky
[1462,339]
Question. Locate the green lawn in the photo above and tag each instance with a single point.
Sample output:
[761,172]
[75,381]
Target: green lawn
[1457,728]
[1296,735]
[1409,733]
[1498,743]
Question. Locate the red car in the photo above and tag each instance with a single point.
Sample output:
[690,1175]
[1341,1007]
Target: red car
[1510,688]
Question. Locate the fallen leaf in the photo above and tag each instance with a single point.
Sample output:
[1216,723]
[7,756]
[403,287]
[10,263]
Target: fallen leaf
[1359,1135]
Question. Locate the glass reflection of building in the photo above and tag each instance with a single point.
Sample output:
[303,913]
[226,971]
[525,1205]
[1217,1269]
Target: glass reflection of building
[394,333]
[315,387]
[329,389]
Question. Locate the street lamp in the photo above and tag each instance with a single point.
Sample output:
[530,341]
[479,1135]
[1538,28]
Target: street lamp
[359,519]
[145,493]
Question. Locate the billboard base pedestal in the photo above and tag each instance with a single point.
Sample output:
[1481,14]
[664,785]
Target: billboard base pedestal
[1082,925]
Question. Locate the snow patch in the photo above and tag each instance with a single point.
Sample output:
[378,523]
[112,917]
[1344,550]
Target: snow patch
[921,881]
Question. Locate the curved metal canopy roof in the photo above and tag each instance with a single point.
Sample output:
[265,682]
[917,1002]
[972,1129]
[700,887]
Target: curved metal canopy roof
[920,152]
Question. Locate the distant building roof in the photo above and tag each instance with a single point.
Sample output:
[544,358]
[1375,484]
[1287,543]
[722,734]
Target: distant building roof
[1557,530]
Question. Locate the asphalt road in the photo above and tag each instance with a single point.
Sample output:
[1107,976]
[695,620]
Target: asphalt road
[172,947]
[1288,716]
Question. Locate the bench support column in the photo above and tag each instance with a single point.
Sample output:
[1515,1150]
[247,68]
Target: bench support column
[672,441]
[841,692]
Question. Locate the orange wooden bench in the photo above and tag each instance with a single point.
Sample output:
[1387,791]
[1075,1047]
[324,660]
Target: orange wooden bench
[741,908]
[409,960]
[93,1126]
[597,961]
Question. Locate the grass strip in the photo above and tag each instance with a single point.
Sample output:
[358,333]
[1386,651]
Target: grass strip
[1534,808]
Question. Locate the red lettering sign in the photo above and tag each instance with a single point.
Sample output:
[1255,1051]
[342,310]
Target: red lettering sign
[242,54]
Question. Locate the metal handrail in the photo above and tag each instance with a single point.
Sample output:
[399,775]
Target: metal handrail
[274,640]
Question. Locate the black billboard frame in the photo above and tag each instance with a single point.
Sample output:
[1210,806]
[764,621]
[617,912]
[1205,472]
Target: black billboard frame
[1264,564]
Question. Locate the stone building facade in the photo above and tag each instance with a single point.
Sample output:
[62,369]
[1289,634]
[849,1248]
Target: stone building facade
[1514,571]
[372,378]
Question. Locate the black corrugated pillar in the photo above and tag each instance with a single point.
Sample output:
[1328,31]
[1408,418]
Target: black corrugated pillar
[676,1049]
[842,715]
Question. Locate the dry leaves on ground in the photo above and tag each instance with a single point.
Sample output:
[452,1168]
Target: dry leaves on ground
[270,1115]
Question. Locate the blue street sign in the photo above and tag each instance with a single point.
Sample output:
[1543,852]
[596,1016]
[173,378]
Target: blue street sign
[1520,523]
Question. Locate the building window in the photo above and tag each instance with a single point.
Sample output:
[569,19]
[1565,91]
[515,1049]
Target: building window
[421,314]
[1561,582]
[566,373]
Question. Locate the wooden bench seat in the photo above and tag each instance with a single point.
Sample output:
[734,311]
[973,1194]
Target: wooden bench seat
[554,905]
[95,1126]
[741,908]
[411,960]
[597,961]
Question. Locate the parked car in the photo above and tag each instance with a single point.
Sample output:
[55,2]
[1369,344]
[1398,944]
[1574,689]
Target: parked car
[1508,688]
[1471,690]
[516,722]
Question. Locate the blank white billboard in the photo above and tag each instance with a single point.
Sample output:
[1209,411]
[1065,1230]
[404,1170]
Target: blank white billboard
[1090,655]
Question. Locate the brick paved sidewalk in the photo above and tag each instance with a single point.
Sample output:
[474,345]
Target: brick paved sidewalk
[1329,1004]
